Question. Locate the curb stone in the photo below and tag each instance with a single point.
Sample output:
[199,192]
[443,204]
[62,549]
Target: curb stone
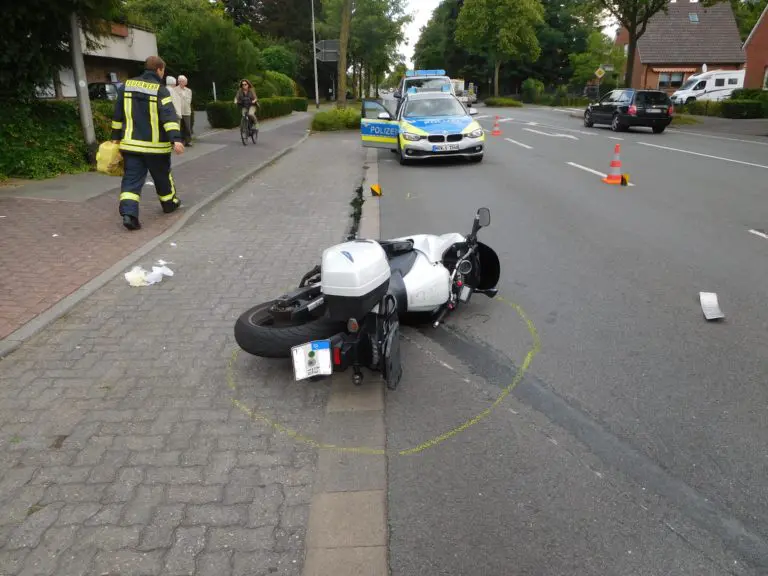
[14,340]
[348,530]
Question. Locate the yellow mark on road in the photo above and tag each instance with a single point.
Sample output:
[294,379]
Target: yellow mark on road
[432,442]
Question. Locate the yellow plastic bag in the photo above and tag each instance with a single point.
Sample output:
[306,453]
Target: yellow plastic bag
[109,161]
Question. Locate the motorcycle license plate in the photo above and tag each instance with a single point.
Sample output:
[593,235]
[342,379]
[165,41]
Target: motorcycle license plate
[445,147]
[312,359]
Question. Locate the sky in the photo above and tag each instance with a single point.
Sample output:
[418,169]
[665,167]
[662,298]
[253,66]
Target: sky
[422,12]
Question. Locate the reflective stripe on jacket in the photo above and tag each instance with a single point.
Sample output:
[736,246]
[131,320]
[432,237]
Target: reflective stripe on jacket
[145,120]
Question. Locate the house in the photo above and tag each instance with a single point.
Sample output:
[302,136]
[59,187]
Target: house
[678,43]
[756,52]
[119,56]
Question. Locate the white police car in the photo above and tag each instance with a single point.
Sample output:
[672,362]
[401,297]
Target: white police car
[427,125]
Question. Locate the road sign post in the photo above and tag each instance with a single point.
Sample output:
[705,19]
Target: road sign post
[600,72]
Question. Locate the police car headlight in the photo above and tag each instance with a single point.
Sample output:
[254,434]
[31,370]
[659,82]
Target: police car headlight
[475,133]
[411,137]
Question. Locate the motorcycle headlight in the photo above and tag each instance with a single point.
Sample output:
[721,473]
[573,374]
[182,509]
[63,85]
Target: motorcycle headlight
[475,133]
[411,137]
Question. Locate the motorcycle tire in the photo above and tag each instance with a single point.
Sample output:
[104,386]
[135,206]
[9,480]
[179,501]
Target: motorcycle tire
[256,334]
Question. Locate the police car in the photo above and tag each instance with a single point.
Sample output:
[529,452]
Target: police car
[427,125]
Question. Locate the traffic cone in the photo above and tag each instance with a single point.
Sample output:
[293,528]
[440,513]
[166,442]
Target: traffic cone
[496,129]
[615,177]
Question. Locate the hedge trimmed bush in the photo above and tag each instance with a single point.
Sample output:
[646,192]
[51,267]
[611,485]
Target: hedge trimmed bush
[704,108]
[228,115]
[742,109]
[286,87]
[336,119]
[43,139]
[503,102]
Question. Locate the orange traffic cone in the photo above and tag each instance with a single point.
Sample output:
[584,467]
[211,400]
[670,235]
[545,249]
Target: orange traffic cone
[614,177]
[496,129]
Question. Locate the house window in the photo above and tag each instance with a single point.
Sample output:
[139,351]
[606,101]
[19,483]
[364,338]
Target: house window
[720,82]
[670,79]
[693,17]
[732,81]
[765,79]
[626,49]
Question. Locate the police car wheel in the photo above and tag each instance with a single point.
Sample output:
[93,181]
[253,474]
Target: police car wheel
[403,160]
[257,333]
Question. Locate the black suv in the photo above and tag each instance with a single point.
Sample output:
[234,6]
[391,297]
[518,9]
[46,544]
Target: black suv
[622,109]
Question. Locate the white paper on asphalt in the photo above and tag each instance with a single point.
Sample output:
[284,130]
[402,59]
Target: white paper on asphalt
[710,306]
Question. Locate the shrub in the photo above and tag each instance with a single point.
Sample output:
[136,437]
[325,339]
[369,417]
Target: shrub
[749,94]
[285,86]
[264,87]
[742,109]
[704,108]
[300,104]
[532,90]
[561,94]
[336,119]
[228,114]
[503,102]
[42,139]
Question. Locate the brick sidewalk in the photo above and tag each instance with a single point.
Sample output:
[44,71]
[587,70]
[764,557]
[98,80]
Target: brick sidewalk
[50,248]
[120,449]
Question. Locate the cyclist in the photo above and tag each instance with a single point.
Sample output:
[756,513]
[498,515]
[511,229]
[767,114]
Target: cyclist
[246,98]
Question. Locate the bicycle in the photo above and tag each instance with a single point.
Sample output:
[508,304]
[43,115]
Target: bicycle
[247,129]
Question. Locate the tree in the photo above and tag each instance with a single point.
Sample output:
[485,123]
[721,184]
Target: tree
[280,59]
[600,50]
[34,43]
[634,15]
[500,29]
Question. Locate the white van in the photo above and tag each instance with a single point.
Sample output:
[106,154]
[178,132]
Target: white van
[714,85]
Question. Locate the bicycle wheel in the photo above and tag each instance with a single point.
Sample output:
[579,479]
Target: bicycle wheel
[254,134]
[244,130]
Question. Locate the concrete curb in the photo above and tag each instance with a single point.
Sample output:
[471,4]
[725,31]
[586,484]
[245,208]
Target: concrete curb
[14,340]
[347,533]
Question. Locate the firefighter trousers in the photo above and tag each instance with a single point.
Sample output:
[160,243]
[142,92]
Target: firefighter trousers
[136,168]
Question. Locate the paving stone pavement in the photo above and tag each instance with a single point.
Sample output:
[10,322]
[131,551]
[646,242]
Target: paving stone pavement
[120,450]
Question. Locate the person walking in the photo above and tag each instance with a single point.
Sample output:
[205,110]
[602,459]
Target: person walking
[146,127]
[170,82]
[186,110]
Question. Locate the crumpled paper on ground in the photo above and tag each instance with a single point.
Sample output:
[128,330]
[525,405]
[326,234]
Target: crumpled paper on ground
[138,276]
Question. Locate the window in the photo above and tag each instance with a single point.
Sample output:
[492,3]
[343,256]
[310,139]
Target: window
[664,80]
[626,97]
[671,79]
[652,99]
[626,49]
[765,79]
[693,17]
[719,82]
[732,81]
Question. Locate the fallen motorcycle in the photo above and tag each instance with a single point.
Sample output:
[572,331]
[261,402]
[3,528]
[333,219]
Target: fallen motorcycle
[347,311]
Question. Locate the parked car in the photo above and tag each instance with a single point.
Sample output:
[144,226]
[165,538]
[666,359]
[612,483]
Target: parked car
[102,91]
[622,109]
[715,85]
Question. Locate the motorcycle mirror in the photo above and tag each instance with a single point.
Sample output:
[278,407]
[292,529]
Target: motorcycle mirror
[484,217]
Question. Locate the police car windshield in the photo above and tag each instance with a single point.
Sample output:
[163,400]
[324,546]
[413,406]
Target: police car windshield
[427,85]
[434,107]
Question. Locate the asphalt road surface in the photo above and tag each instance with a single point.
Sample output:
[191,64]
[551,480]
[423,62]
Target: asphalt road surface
[636,443]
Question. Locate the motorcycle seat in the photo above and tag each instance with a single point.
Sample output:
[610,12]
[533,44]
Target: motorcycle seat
[394,248]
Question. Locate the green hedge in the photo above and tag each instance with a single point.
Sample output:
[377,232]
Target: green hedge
[503,102]
[336,119]
[742,109]
[43,139]
[703,108]
[227,114]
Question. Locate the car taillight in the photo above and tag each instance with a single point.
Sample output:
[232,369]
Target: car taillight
[337,356]
[633,110]
[671,110]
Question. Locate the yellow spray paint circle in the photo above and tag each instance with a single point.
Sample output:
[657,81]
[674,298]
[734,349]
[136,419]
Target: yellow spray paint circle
[432,442]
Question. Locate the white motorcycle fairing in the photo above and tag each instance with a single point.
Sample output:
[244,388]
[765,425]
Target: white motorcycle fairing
[428,282]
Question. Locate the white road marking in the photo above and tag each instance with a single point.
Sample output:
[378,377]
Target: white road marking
[688,133]
[614,138]
[505,119]
[519,143]
[481,117]
[758,233]
[533,123]
[595,172]
[552,135]
[705,155]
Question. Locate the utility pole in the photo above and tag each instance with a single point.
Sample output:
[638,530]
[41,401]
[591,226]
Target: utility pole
[81,87]
[314,56]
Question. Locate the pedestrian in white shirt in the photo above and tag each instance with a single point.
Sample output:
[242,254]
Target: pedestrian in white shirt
[170,81]
[186,110]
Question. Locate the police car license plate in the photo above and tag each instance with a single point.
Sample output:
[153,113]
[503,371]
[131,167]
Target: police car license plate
[312,359]
[445,147]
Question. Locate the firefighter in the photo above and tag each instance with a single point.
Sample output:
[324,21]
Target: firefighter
[147,128]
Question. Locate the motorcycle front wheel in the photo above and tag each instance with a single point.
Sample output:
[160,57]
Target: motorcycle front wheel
[257,333]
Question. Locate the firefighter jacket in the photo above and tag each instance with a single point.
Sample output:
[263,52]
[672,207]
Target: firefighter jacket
[145,120]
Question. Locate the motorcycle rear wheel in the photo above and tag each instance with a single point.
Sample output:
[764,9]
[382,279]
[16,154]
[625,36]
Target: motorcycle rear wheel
[257,333]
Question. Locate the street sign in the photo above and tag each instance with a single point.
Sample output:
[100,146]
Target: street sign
[599,73]
[327,50]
